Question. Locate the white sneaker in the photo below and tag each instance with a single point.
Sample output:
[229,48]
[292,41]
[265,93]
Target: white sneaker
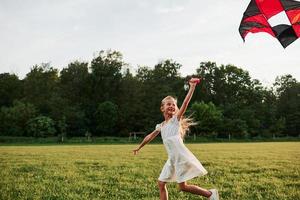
[214,195]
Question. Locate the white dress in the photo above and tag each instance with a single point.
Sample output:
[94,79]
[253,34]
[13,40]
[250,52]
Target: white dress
[181,165]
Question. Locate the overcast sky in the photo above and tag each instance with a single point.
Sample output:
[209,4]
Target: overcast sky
[145,31]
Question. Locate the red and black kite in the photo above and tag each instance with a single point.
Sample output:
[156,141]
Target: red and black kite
[258,13]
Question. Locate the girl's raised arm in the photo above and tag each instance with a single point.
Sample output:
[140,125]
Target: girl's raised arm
[146,140]
[193,82]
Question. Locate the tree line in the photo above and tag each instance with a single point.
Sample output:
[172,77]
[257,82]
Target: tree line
[106,98]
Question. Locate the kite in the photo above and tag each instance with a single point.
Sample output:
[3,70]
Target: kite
[257,15]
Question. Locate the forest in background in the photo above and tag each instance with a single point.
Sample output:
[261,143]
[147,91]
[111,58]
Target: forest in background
[106,98]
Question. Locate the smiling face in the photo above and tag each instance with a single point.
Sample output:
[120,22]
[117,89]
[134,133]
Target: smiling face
[169,106]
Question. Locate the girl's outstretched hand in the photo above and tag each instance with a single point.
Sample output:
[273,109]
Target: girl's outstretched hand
[194,81]
[135,151]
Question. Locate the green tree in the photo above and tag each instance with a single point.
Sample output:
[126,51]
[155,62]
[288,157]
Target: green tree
[277,128]
[71,99]
[10,89]
[208,117]
[130,104]
[75,84]
[40,85]
[40,126]
[236,128]
[76,121]
[62,129]
[75,102]
[13,119]
[266,113]
[282,83]
[205,91]
[289,108]
[106,76]
[232,89]
[107,117]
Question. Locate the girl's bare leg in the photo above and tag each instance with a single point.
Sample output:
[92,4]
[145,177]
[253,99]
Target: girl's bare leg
[194,189]
[163,192]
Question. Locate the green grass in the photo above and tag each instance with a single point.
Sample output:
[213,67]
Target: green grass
[11,140]
[241,171]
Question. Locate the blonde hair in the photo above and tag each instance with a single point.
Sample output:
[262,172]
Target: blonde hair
[184,122]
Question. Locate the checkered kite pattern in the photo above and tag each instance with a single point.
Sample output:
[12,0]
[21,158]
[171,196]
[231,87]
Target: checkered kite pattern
[257,15]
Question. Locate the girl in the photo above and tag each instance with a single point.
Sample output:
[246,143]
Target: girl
[181,165]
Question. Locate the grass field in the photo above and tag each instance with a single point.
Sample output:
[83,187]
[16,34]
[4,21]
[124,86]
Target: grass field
[241,171]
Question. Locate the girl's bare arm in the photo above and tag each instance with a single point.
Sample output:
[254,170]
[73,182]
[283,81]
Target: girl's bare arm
[187,99]
[146,140]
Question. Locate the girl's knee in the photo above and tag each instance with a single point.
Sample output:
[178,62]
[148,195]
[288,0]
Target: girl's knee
[182,186]
[161,185]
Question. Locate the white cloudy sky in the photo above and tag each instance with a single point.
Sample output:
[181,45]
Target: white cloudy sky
[145,31]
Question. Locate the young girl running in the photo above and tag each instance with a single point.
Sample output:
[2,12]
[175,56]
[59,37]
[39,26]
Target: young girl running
[181,165]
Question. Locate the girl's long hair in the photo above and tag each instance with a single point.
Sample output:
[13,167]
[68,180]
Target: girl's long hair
[184,122]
